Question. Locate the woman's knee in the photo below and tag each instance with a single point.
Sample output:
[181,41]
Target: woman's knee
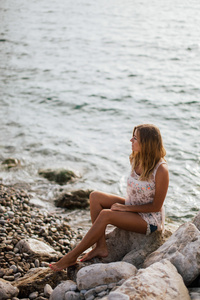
[105,215]
[94,196]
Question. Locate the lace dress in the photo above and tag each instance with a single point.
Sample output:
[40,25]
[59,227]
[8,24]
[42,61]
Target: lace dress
[143,192]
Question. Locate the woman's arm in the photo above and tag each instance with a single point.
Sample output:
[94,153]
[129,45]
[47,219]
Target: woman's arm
[161,182]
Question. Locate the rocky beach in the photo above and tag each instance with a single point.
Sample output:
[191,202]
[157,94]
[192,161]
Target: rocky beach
[160,266]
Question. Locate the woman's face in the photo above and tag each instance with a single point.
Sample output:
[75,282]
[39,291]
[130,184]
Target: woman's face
[135,142]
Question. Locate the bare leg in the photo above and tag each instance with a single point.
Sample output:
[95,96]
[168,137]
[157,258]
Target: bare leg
[99,201]
[124,220]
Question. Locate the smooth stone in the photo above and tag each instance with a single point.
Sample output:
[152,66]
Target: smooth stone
[100,274]
[159,281]
[101,288]
[37,248]
[2,209]
[61,176]
[112,285]
[14,268]
[48,290]
[44,264]
[102,294]
[90,293]
[182,249]
[33,295]
[8,278]
[59,292]
[17,275]
[74,199]
[194,293]
[90,298]
[37,263]
[10,214]
[7,290]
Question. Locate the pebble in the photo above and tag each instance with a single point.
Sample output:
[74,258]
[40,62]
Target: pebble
[33,295]
[47,290]
[14,268]
[37,263]
[101,288]
[17,275]
[121,282]
[9,278]
[44,264]
[11,214]
[90,293]
[21,220]
[102,294]
[111,285]
[90,298]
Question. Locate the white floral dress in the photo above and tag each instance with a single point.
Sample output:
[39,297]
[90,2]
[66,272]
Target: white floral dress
[142,192]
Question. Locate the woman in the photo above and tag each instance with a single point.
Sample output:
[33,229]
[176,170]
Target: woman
[141,211]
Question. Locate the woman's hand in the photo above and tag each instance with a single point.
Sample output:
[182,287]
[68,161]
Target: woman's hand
[118,207]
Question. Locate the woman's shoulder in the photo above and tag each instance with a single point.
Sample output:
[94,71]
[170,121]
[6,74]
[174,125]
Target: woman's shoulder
[162,170]
[162,163]
[161,167]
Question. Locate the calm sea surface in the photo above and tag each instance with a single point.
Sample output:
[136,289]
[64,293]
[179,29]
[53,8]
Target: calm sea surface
[77,76]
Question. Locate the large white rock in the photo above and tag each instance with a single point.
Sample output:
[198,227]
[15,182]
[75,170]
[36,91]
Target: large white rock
[183,250]
[59,292]
[160,281]
[37,248]
[100,274]
[133,247]
[7,291]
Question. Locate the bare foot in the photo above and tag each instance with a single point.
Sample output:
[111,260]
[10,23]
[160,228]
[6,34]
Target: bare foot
[62,264]
[96,252]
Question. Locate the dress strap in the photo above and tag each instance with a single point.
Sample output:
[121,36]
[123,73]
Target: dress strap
[157,166]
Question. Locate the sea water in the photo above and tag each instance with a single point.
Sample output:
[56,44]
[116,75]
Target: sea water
[77,76]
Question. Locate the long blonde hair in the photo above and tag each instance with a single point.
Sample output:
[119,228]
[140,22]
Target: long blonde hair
[152,150]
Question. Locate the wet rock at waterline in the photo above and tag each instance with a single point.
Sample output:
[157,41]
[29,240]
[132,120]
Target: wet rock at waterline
[60,176]
[74,199]
[11,163]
